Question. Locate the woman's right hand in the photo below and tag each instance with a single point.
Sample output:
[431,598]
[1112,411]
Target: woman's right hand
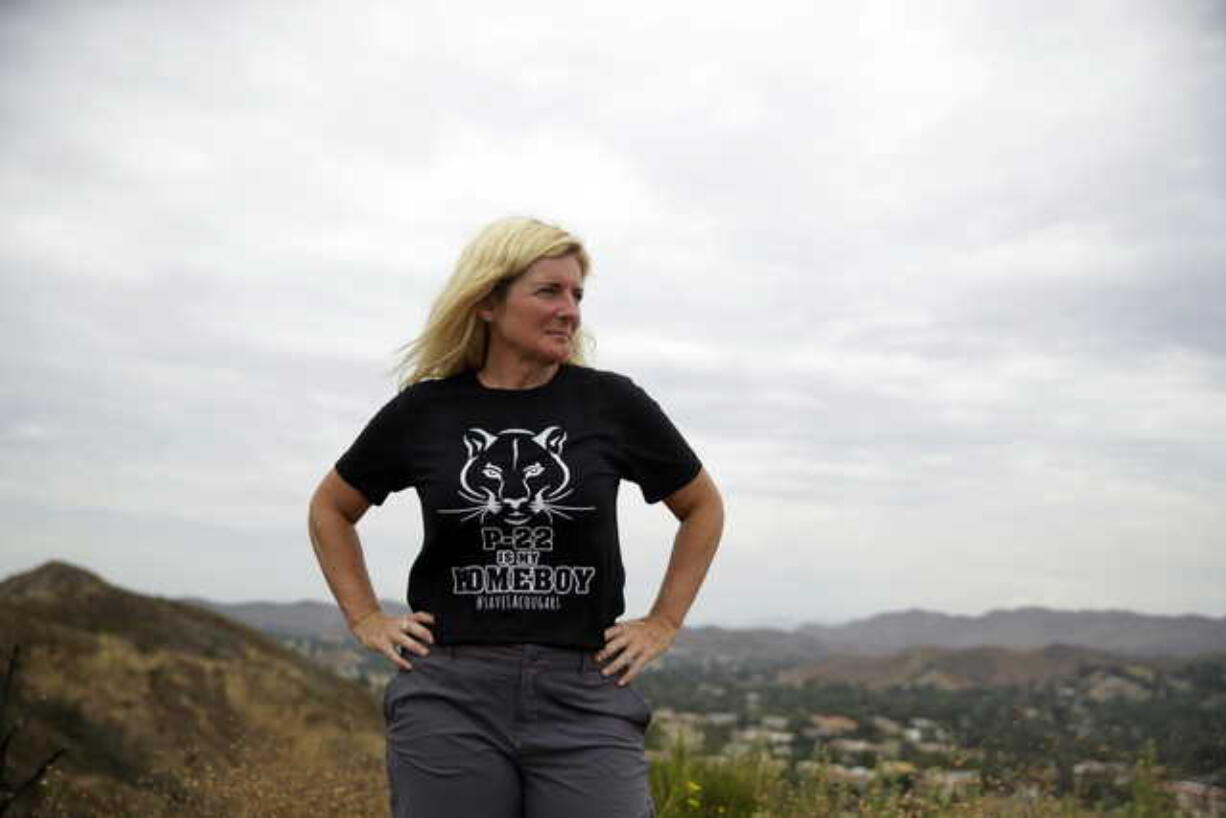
[384,634]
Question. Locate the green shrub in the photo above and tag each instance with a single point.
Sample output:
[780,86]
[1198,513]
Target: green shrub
[685,785]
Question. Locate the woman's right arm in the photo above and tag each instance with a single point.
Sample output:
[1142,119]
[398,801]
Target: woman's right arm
[332,522]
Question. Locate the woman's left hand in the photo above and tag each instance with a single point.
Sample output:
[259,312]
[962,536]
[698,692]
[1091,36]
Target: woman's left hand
[631,645]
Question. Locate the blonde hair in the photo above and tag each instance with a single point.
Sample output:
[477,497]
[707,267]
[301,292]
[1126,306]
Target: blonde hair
[455,339]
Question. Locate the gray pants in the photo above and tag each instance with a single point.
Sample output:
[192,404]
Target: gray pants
[514,731]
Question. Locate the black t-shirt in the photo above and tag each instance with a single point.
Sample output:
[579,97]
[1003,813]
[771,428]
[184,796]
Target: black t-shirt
[518,492]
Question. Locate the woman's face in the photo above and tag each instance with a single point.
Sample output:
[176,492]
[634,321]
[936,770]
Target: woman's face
[538,315]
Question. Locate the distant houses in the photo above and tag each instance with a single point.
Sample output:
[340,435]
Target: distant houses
[1197,798]
[828,744]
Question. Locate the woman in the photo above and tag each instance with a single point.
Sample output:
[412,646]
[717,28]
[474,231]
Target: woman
[513,696]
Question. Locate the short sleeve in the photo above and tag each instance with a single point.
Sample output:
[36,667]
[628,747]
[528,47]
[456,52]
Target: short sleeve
[375,464]
[653,453]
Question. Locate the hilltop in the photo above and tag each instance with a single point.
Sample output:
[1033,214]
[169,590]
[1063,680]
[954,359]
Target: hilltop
[1028,628]
[167,709]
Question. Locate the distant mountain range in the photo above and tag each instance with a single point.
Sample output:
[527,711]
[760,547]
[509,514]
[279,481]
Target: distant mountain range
[959,669]
[1023,629]
[1120,632]
[303,620]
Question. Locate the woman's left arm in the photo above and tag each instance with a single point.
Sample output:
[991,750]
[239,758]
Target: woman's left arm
[632,644]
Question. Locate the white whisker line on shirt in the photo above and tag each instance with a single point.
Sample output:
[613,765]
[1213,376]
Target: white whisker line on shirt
[469,513]
[469,494]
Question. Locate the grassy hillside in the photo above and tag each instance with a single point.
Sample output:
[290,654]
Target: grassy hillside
[166,709]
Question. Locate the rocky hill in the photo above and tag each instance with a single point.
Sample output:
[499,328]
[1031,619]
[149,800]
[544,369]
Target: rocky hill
[167,709]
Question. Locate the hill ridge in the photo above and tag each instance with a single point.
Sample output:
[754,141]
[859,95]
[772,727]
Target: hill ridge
[170,709]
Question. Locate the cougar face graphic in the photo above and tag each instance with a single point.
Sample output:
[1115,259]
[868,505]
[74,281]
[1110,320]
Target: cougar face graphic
[515,476]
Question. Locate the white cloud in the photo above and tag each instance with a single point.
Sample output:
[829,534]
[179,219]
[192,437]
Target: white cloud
[933,289]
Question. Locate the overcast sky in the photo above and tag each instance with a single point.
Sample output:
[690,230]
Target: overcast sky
[936,290]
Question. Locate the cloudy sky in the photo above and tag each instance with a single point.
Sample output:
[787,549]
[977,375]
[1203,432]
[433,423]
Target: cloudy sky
[937,290]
